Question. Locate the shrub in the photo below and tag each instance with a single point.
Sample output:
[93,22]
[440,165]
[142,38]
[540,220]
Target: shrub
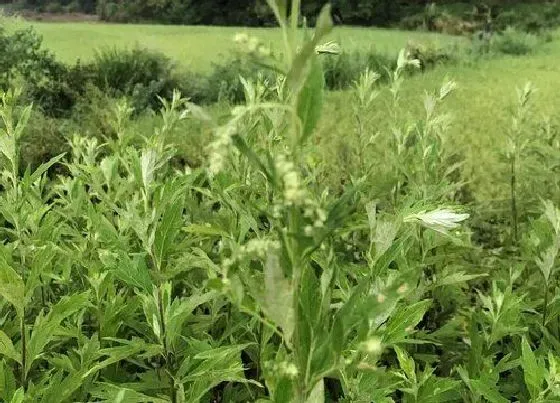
[224,82]
[513,42]
[73,7]
[54,8]
[44,138]
[342,70]
[138,73]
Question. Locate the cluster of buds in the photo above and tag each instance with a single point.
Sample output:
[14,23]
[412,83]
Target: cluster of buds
[315,214]
[253,248]
[283,368]
[252,44]
[294,193]
[220,147]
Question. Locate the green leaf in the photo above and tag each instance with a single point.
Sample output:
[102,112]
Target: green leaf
[317,394]
[133,272]
[18,396]
[534,376]
[404,321]
[246,150]
[324,23]
[179,312]
[300,67]
[7,382]
[7,348]
[310,99]
[8,147]
[22,122]
[278,296]
[457,278]
[61,388]
[169,228]
[11,287]
[45,327]
[490,392]
[280,9]
[406,363]
[127,349]
[107,392]
[44,167]
[205,370]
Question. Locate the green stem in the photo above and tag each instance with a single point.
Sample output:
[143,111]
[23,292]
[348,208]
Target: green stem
[513,185]
[545,310]
[168,356]
[23,352]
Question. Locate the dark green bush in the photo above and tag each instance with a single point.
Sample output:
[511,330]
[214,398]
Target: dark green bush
[54,8]
[73,7]
[138,73]
[43,139]
[513,42]
[342,70]
[224,83]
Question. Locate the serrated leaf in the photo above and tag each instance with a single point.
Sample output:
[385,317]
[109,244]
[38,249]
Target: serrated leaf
[46,327]
[127,349]
[533,373]
[199,229]
[12,287]
[209,368]
[133,272]
[406,363]
[404,321]
[61,387]
[179,312]
[7,348]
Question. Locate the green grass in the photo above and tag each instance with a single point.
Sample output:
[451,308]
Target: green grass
[480,107]
[197,47]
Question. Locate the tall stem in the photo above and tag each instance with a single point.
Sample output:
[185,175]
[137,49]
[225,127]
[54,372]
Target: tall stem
[545,310]
[23,352]
[514,217]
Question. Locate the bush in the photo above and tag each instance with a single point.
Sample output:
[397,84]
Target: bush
[144,75]
[54,8]
[43,139]
[341,71]
[224,83]
[513,42]
[73,7]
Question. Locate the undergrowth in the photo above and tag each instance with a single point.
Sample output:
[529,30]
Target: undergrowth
[126,276]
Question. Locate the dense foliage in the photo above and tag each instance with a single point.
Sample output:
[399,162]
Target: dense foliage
[275,272]
[413,13]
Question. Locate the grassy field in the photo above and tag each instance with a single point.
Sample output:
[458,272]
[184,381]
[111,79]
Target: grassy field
[481,107]
[197,47]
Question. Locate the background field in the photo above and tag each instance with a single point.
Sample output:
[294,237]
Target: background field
[480,106]
[196,47]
